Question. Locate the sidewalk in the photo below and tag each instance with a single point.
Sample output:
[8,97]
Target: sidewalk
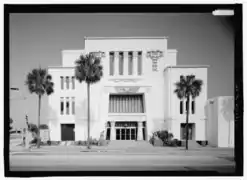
[179,151]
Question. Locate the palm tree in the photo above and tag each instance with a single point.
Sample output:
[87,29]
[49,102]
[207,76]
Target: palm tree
[39,82]
[185,88]
[88,69]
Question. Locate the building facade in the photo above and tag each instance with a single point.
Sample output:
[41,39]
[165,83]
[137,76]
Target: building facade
[220,121]
[134,98]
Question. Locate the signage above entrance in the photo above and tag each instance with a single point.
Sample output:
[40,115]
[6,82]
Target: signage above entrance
[127,89]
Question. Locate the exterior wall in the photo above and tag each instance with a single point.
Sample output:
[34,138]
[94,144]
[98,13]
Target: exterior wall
[226,122]
[70,56]
[199,117]
[220,117]
[160,103]
[211,111]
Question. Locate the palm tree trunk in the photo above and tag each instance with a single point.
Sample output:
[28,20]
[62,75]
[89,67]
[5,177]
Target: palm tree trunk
[187,121]
[38,133]
[88,115]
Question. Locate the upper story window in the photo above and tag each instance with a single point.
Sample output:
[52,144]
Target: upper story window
[111,63]
[121,63]
[126,104]
[62,82]
[193,107]
[130,58]
[73,82]
[187,106]
[73,105]
[139,63]
[181,107]
[67,105]
[61,105]
[67,82]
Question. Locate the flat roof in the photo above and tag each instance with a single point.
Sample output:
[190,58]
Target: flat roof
[130,37]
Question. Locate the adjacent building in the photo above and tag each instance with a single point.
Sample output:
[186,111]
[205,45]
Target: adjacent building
[135,96]
[220,121]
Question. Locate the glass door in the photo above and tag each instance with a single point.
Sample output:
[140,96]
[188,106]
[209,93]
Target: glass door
[123,134]
[133,133]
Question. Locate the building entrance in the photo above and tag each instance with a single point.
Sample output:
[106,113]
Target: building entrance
[126,130]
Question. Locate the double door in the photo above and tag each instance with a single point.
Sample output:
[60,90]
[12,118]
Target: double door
[128,133]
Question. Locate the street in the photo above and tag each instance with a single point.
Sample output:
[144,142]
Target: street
[82,161]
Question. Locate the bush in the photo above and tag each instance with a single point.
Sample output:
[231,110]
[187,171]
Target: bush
[203,143]
[43,126]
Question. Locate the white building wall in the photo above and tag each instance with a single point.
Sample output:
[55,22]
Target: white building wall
[198,118]
[161,104]
[220,117]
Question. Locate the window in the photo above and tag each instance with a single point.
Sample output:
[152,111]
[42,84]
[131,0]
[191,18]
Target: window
[61,106]
[181,107]
[73,105]
[67,82]
[67,105]
[121,63]
[193,107]
[73,82]
[62,81]
[187,103]
[111,63]
[130,57]
[126,104]
[139,63]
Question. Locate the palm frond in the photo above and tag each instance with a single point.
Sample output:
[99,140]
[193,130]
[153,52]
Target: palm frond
[39,82]
[88,69]
[188,86]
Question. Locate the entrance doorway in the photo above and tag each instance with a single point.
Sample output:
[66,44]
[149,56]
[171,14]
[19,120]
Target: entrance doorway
[129,133]
[67,132]
[126,130]
[191,129]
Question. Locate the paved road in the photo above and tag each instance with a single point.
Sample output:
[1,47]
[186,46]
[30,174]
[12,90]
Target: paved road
[110,162]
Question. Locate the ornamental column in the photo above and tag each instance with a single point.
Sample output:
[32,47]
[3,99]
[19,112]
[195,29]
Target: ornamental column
[139,131]
[113,134]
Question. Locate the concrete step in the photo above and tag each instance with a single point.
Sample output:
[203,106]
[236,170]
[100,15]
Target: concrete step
[129,144]
[191,144]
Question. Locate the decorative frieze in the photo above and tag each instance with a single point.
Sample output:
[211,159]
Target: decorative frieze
[126,89]
[98,54]
[154,55]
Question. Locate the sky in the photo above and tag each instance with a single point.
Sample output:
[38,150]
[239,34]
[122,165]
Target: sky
[37,40]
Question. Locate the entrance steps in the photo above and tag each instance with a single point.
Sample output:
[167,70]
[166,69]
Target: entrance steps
[129,144]
[191,144]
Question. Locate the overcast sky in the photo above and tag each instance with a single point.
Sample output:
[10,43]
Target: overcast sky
[37,39]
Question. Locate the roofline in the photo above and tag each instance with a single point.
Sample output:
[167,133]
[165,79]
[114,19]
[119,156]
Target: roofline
[61,67]
[130,37]
[188,66]
[73,50]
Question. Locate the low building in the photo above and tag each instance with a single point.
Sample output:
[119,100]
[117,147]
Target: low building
[220,121]
[135,96]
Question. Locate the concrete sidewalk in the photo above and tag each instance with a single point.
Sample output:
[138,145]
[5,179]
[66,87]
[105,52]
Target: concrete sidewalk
[66,150]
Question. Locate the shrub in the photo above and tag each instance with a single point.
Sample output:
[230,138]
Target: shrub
[43,126]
